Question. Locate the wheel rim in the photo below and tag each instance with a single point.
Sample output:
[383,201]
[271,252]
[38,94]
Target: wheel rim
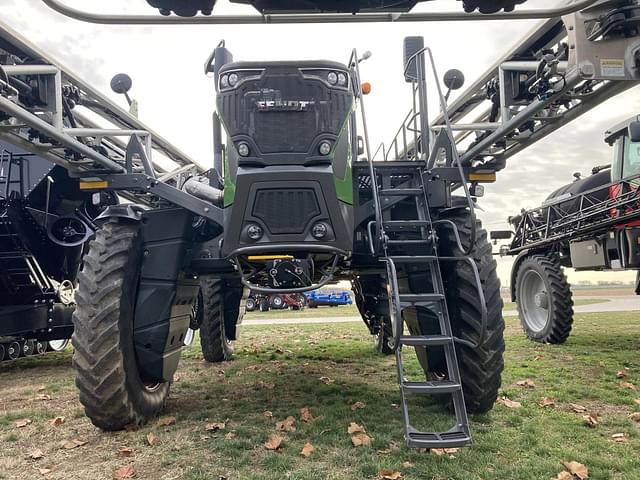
[277,302]
[188,337]
[58,345]
[534,301]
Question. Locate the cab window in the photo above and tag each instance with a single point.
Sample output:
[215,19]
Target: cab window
[631,161]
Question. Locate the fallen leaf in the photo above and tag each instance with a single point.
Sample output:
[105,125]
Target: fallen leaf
[577,469]
[23,422]
[36,454]
[358,406]
[286,425]
[509,403]
[627,385]
[215,426]
[44,397]
[274,442]
[527,383]
[166,421]
[230,436]
[578,408]
[564,475]
[390,474]
[151,439]
[267,414]
[538,357]
[439,452]
[56,422]
[386,451]
[45,471]
[637,400]
[359,439]
[326,380]
[128,471]
[619,437]
[262,385]
[124,452]
[621,374]
[547,402]
[73,443]
[635,416]
[307,450]
[305,415]
[407,464]
[355,428]
[591,419]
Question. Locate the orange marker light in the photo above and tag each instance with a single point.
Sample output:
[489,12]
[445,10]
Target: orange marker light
[366,88]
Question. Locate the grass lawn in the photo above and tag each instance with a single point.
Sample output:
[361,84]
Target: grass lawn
[327,368]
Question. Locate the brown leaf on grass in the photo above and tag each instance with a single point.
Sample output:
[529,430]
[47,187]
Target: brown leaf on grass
[214,427]
[166,421]
[230,436]
[355,428]
[307,450]
[267,414]
[591,419]
[526,383]
[73,443]
[152,439]
[23,422]
[578,408]
[547,402]
[509,403]
[577,469]
[386,451]
[637,400]
[44,397]
[305,415]
[621,374]
[36,454]
[620,437]
[635,416]
[390,474]
[627,385]
[538,357]
[326,380]
[128,471]
[286,425]
[57,421]
[124,452]
[359,439]
[564,475]
[274,442]
[262,385]
[45,471]
[439,452]
[358,406]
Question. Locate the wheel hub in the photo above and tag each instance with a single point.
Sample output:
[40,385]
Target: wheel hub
[541,300]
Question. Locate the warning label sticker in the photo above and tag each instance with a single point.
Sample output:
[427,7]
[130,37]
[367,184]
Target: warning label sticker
[612,67]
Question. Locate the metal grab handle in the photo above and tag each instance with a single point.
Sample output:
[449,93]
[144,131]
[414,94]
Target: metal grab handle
[109,19]
[397,321]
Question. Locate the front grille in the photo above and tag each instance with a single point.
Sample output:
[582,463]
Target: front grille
[287,210]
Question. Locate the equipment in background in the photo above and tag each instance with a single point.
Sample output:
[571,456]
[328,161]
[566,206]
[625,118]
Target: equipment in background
[317,299]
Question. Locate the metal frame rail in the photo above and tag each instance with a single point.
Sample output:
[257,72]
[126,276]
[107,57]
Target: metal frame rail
[578,216]
[572,73]
[77,127]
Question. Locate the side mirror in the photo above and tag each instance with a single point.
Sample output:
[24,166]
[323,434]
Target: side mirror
[453,79]
[413,53]
[121,83]
[218,59]
[360,145]
[634,131]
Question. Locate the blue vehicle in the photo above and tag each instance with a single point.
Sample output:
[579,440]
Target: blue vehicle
[330,299]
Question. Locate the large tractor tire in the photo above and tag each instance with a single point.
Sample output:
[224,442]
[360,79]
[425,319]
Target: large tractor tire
[480,367]
[112,390]
[543,295]
[222,310]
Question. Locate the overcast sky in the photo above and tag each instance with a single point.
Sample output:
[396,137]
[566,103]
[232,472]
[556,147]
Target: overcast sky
[177,100]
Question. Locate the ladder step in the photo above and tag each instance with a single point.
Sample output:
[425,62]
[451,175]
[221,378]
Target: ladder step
[401,225]
[414,259]
[400,192]
[451,439]
[425,340]
[421,297]
[417,241]
[431,388]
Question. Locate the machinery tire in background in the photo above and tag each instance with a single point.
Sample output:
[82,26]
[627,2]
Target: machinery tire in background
[374,288]
[221,308]
[264,305]
[543,295]
[277,302]
[250,304]
[480,368]
[57,345]
[111,389]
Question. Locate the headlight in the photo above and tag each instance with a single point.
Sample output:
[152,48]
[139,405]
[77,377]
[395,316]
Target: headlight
[332,78]
[342,80]
[319,230]
[224,81]
[233,79]
[254,232]
[324,148]
[243,149]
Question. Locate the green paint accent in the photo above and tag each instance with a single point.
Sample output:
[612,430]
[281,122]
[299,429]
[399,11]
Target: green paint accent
[344,188]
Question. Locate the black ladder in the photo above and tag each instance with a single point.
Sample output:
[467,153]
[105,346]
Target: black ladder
[435,301]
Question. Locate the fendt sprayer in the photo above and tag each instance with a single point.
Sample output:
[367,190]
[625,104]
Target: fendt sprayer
[592,223]
[297,199]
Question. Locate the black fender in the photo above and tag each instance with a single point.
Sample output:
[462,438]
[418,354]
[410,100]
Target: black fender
[514,271]
[127,211]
